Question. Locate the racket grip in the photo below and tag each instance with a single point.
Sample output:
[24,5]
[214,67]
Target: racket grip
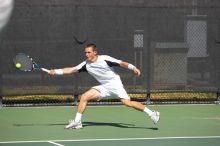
[45,70]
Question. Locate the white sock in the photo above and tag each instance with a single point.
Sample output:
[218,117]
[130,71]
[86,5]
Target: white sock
[78,117]
[148,111]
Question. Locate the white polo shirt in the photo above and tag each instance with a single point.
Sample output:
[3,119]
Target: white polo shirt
[102,70]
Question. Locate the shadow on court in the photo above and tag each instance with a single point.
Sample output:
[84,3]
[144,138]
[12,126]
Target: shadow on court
[87,124]
[119,125]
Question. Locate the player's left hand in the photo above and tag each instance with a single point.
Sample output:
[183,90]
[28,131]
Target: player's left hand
[137,72]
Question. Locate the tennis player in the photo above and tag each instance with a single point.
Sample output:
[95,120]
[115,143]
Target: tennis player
[101,68]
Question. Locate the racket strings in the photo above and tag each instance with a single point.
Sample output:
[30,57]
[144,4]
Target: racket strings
[25,61]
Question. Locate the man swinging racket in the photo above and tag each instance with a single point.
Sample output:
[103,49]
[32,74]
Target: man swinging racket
[101,68]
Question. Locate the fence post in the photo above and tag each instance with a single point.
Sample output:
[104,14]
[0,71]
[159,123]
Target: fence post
[148,101]
[76,98]
[218,98]
[1,105]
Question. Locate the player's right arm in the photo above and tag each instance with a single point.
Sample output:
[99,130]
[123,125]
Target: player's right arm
[66,70]
[69,70]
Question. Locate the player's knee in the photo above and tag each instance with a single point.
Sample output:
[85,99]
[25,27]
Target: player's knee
[83,98]
[127,102]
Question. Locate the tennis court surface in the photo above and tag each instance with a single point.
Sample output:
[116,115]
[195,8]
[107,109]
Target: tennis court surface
[197,125]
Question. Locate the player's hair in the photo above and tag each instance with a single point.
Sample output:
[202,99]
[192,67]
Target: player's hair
[93,46]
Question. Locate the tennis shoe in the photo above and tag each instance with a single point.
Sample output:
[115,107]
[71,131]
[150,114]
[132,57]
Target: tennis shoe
[155,117]
[74,125]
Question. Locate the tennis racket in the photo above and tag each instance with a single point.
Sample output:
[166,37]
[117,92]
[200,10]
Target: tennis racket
[26,63]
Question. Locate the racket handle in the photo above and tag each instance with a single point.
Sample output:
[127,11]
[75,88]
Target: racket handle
[45,70]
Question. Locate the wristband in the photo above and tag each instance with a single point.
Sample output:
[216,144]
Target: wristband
[131,67]
[59,71]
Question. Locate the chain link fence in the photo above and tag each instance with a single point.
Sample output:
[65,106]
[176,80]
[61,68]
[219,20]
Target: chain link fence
[174,43]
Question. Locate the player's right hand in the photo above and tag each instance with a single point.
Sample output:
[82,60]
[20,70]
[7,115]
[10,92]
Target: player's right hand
[52,72]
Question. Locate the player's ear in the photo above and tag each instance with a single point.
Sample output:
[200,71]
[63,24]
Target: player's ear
[95,52]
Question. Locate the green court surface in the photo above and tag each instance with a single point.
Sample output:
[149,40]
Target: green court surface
[196,125]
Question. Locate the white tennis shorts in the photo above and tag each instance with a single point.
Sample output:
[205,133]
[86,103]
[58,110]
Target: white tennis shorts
[115,92]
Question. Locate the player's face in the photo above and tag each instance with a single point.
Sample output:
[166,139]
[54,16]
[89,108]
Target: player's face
[91,54]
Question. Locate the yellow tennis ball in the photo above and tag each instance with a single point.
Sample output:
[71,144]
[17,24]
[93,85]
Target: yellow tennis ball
[18,65]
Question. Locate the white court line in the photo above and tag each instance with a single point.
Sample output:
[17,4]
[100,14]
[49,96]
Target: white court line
[114,139]
[152,138]
[55,143]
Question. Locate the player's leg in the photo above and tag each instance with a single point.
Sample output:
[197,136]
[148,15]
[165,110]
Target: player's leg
[154,115]
[136,105]
[125,99]
[133,104]
[87,96]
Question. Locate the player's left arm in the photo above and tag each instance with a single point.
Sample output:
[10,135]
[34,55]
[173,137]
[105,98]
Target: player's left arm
[127,65]
[115,62]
